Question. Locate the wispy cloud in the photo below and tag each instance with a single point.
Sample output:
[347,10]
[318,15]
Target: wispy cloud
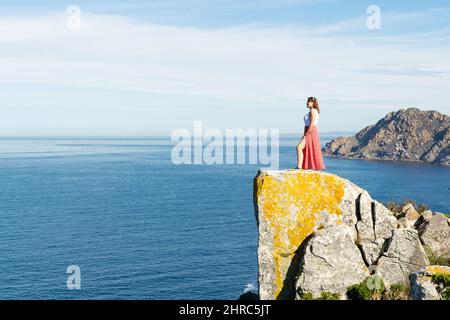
[207,4]
[402,71]
[259,66]
[250,62]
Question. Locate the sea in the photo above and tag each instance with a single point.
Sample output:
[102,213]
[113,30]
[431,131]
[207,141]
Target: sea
[134,225]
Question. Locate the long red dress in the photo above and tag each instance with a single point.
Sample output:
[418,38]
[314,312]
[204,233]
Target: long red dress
[312,153]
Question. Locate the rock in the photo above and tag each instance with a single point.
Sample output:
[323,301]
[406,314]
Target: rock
[435,235]
[407,134]
[408,217]
[412,217]
[341,145]
[422,288]
[327,254]
[403,255]
[405,223]
[372,251]
[385,221]
[410,214]
[365,224]
[408,207]
[444,214]
[249,295]
[427,215]
[291,206]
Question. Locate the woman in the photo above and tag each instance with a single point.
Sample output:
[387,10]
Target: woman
[309,154]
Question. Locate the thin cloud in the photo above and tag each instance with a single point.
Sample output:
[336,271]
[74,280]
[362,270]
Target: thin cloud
[207,4]
[249,62]
[401,71]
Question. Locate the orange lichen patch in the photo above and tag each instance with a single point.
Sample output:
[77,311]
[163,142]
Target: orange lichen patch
[437,269]
[291,203]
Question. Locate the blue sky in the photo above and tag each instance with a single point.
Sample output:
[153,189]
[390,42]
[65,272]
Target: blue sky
[150,67]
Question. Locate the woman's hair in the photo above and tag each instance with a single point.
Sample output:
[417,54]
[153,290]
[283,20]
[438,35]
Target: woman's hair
[315,103]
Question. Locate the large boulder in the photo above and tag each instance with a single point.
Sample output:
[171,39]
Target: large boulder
[331,262]
[435,235]
[403,255]
[292,206]
[422,287]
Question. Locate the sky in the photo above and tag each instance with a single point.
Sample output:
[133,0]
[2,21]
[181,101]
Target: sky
[151,67]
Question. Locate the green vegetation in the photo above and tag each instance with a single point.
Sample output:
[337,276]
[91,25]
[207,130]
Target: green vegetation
[371,288]
[442,281]
[307,296]
[323,296]
[437,260]
[329,296]
[397,291]
[396,206]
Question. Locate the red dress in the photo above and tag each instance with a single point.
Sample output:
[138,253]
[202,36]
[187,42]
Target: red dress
[312,153]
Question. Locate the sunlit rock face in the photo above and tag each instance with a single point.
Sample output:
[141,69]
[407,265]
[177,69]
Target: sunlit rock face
[407,134]
[297,212]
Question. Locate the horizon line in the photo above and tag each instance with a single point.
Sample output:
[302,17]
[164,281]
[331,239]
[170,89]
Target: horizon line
[137,135]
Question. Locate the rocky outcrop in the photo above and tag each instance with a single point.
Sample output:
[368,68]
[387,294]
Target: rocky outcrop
[403,255]
[422,286]
[329,252]
[407,134]
[435,234]
[320,233]
[290,206]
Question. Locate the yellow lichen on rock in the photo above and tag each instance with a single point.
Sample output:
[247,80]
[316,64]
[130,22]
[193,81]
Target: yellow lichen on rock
[437,269]
[293,203]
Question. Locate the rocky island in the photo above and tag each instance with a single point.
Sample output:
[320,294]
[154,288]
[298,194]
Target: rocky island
[323,237]
[407,135]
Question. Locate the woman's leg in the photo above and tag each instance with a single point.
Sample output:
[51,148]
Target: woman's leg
[300,147]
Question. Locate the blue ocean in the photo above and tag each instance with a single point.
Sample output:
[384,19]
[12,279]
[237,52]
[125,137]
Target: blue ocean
[140,227]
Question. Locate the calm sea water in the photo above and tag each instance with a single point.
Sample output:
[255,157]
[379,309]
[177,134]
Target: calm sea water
[140,227]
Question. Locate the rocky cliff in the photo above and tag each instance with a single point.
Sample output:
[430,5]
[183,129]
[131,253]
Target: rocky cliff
[320,233]
[406,134]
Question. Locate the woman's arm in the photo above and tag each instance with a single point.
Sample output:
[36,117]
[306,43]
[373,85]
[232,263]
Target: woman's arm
[312,118]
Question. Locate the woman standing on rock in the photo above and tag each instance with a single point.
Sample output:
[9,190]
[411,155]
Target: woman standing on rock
[309,153]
